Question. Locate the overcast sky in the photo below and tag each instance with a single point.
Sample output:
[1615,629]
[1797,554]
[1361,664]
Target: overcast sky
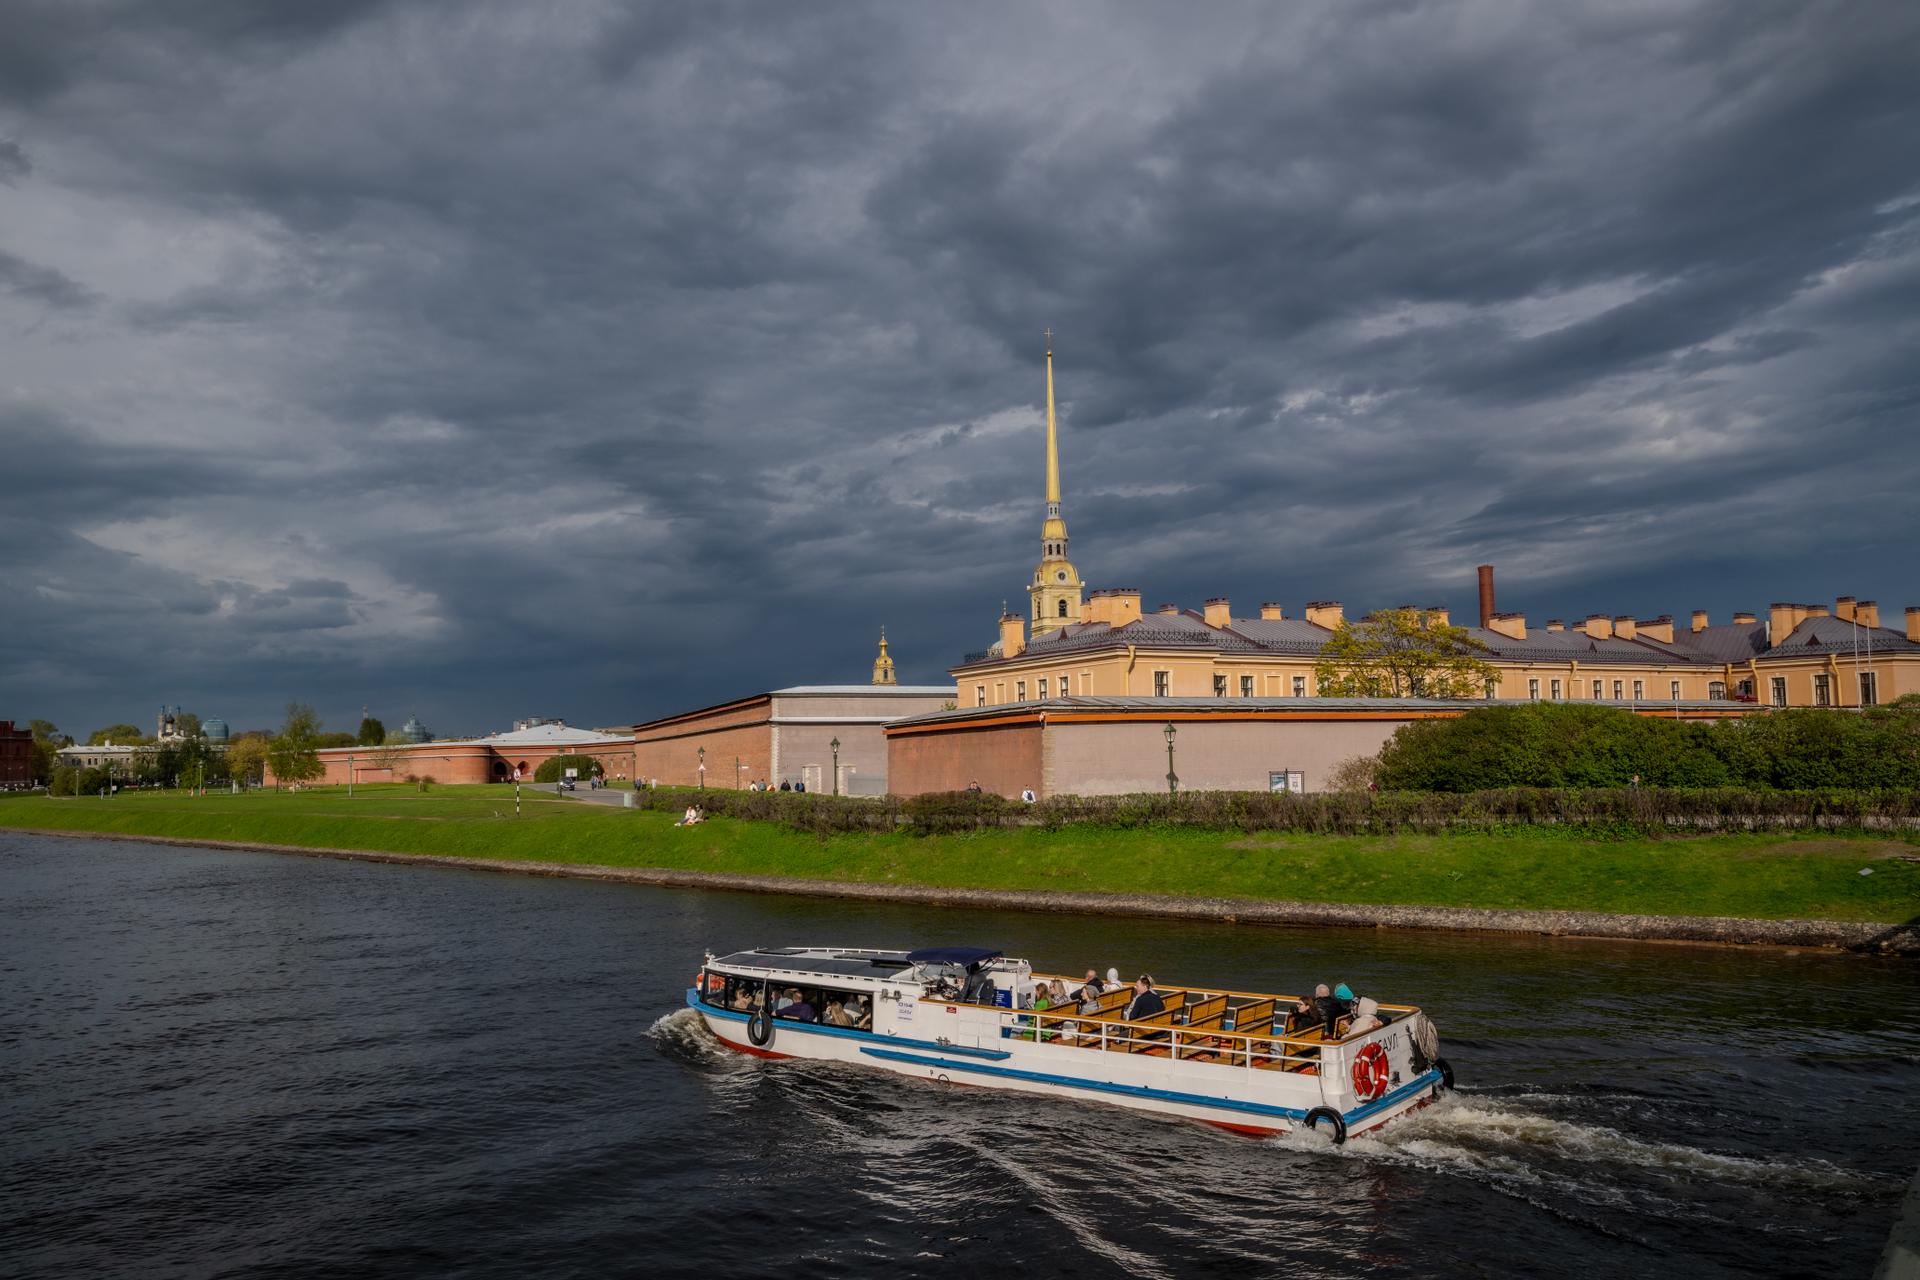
[493,360]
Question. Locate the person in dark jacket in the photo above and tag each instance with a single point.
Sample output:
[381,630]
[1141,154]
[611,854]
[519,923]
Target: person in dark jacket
[796,1007]
[1146,1001]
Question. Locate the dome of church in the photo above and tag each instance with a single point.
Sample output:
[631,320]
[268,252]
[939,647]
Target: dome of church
[215,729]
[414,731]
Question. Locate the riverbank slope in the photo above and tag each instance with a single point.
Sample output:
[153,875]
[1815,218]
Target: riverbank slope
[1799,877]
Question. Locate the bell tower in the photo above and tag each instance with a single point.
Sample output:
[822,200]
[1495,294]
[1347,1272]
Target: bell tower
[883,665]
[1056,588]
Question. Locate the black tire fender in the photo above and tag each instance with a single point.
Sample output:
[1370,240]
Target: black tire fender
[1446,1073]
[760,1027]
[1313,1118]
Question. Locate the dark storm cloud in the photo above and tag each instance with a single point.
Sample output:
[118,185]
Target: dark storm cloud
[478,361]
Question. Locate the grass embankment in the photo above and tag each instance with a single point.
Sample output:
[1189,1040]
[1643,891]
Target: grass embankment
[1759,876]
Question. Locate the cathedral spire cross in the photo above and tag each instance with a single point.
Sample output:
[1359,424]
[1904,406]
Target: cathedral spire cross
[1056,586]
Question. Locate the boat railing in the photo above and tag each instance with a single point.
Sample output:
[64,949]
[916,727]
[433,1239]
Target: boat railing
[1216,1045]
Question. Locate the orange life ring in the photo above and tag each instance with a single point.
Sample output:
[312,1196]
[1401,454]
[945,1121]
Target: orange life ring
[1370,1072]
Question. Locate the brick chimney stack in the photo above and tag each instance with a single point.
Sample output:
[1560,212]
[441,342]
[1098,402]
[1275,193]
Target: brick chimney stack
[1867,613]
[1913,623]
[1271,611]
[1486,594]
[1218,613]
[1843,608]
[1325,613]
[1699,621]
[1013,635]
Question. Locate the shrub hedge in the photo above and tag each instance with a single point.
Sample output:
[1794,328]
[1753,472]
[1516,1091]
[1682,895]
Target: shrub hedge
[554,769]
[1562,744]
[1586,811]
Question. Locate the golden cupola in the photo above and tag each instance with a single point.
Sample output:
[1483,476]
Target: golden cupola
[1056,589]
[883,665]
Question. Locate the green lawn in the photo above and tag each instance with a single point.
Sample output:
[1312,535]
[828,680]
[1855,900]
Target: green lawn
[1814,876]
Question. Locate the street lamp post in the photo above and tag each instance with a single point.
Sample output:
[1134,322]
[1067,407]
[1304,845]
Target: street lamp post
[737,767]
[1173,779]
[703,768]
[834,746]
[349,775]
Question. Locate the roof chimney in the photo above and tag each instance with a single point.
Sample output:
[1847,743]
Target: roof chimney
[1867,613]
[1511,625]
[1272,612]
[1168,609]
[1913,623]
[1743,619]
[1555,624]
[1782,617]
[1700,622]
[1816,611]
[1661,629]
[1438,615]
[1218,614]
[1013,635]
[1625,627]
[1843,608]
[1599,626]
[1486,593]
[1123,605]
[1325,613]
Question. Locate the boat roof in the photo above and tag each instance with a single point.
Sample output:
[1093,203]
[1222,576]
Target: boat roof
[967,956]
[844,961]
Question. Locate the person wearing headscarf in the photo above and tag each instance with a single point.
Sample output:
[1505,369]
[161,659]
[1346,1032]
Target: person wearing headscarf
[1366,1016]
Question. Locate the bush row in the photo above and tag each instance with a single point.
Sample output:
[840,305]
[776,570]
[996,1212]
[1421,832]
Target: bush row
[1588,810]
[1560,744]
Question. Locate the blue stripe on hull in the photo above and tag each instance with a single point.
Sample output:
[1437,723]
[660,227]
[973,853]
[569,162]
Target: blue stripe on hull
[892,1054]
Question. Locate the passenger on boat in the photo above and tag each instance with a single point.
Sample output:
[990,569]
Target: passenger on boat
[745,998]
[1090,990]
[858,1015]
[837,1015]
[1146,1001]
[1326,1007]
[1366,1016]
[796,1006]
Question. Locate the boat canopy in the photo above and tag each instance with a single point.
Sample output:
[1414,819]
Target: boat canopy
[966,956]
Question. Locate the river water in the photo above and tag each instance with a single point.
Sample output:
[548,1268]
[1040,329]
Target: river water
[230,1064]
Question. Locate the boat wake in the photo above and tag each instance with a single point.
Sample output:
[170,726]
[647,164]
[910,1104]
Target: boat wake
[1496,1135]
[682,1036]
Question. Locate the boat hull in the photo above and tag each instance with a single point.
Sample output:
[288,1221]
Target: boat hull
[1240,1099]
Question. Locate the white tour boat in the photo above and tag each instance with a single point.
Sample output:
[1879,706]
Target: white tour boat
[1241,1060]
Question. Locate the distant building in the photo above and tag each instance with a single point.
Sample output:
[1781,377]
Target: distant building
[497,757]
[1119,746]
[16,756]
[105,755]
[1105,645]
[414,731]
[785,735]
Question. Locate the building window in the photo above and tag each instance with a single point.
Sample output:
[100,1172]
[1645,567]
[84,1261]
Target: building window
[1246,686]
[1557,695]
[1619,690]
[1716,689]
[1822,691]
[1869,689]
[1599,691]
[979,695]
[1779,691]
[1159,684]
[1219,685]
[1066,687]
[1020,690]
[1673,690]
[1639,690]
[1299,686]
[1063,608]
[1533,688]
[1746,690]
[1043,688]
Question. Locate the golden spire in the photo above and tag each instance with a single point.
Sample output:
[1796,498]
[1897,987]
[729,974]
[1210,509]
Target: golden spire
[1053,445]
[883,665]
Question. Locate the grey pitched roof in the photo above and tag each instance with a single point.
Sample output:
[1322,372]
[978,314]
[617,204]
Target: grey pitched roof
[1728,642]
[1574,646]
[1837,635]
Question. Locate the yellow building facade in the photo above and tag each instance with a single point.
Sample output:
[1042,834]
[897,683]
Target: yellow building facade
[1104,644]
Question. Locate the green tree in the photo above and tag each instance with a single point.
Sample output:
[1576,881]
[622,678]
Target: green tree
[372,732]
[336,740]
[45,752]
[247,758]
[293,753]
[1402,653]
[119,734]
[187,725]
[555,768]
